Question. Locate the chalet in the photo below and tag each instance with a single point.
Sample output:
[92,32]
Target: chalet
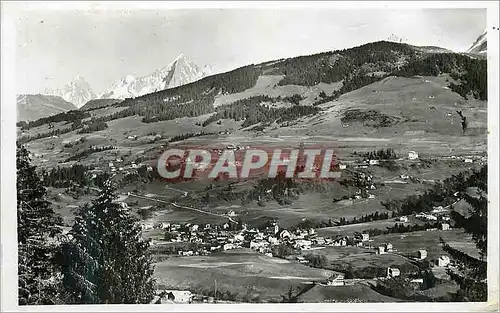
[438,209]
[228,246]
[374,162]
[213,248]
[254,245]
[420,215]
[381,250]
[239,237]
[176,296]
[319,240]
[225,226]
[393,272]
[371,196]
[162,225]
[146,226]
[404,176]
[303,244]
[412,155]
[273,240]
[388,247]
[468,161]
[336,281]
[403,219]
[430,217]
[422,254]
[443,261]
[342,166]
[445,226]
[284,234]
[259,236]
[301,260]
[193,228]
[365,237]
[269,254]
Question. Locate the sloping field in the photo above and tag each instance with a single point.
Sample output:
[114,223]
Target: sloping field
[268,85]
[429,240]
[424,108]
[354,293]
[237,271]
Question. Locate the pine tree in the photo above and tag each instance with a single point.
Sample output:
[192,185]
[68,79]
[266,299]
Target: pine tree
[471,273]
[36,231]
[106,259]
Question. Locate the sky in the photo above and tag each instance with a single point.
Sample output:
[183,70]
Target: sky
[102,46]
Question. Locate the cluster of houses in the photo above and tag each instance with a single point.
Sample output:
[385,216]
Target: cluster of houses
[215,238]
[117,166]
[173,297]
[412,155]
[468,158]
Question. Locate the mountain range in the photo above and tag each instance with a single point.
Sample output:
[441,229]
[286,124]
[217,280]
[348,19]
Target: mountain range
[178,72]
[33,107]
[78,91]
[480,45]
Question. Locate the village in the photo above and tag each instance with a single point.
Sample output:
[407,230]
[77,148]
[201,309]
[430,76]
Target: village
[210,239]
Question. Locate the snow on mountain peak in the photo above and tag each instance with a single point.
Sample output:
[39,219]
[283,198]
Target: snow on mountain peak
[78,91]
[128,79]
[179,72]
[480,45]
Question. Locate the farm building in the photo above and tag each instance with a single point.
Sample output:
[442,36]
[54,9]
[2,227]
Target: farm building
[175,296]
[284,234]
[443,261]
[365,236]
[336,281]
[388,247]
[445,226]
[403,219]
[381,250]
[422,254]
[303,244]
[412,155]
[393,272]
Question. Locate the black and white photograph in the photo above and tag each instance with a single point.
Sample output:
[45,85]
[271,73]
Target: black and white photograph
[207,156]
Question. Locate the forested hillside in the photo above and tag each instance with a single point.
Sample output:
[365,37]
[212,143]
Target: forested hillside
[355,67]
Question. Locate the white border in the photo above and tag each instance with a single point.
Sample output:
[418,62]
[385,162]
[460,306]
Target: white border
[8,298]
